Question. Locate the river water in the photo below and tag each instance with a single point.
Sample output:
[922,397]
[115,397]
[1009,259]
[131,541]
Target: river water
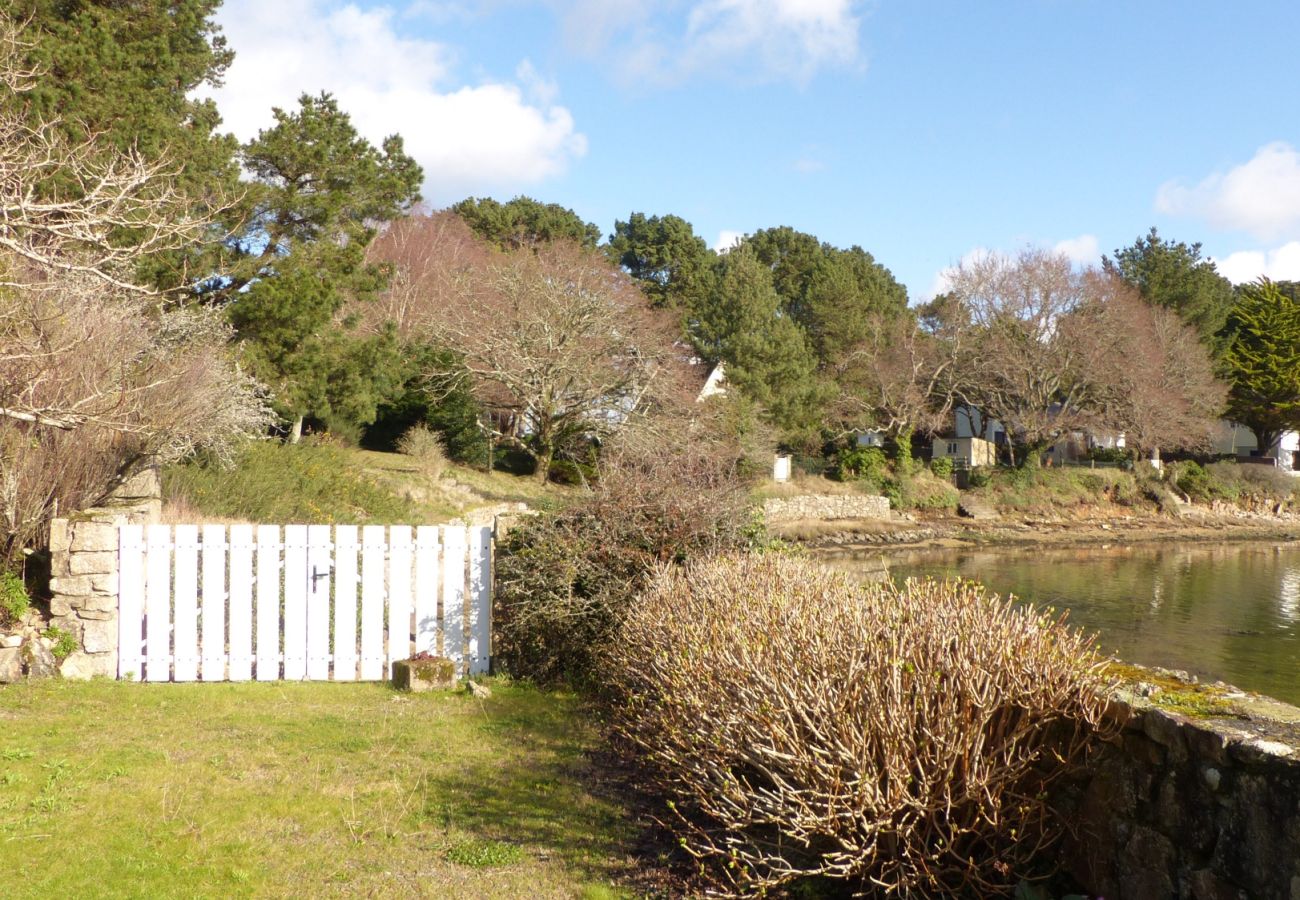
[1221,611]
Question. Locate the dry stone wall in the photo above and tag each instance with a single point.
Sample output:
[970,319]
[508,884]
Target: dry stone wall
[1191,808]
[825,507]
[83,573]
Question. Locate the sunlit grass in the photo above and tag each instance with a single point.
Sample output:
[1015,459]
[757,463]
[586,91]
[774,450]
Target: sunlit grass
[299,789]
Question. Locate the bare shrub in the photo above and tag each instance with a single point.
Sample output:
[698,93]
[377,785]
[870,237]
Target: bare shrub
[564,581]
[803,724]
[426,449]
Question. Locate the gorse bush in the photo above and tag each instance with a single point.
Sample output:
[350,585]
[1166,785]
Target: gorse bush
[802,724]
[426,449]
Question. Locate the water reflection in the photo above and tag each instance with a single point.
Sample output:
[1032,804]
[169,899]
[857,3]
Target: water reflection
[1227,611]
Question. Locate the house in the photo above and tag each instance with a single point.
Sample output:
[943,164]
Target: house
[715,385]
[1231,439]
[965,451]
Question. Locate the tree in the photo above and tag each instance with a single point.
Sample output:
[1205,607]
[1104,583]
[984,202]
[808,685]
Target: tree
[96,376]
[525,222]
[319,192]
[847,297]
[1174,276]
[1262,361]
[766,354]
[560,347]
[673,265]
[897,378]
[1049,350]
[126,73]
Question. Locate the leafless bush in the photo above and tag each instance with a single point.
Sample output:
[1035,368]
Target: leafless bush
[565,581]
[802,724]
[426,449]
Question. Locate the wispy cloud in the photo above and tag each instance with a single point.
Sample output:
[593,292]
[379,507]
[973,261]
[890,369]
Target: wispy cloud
[468,138]
[1261,196]
[759,40]
[1082,250]
[727,239]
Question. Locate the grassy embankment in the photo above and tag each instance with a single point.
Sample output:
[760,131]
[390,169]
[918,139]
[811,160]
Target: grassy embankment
[331,483]
[299,789]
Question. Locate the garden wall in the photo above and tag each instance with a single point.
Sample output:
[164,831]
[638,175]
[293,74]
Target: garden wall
[1179,807]
[825,507]
[83,573]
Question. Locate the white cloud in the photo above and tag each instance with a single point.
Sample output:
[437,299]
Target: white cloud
[754,39]
[1261,196]
[1279,264]
[727,239]
[808,165]
[469,139]
[942,281]
[1082,250]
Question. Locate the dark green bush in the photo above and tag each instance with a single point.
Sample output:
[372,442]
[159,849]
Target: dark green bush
[14,600]
[867,463]
[941,467]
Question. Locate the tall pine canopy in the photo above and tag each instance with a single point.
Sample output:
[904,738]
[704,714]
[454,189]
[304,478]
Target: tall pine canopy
[1261,361]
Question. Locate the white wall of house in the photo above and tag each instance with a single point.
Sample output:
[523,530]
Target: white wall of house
[1238,440]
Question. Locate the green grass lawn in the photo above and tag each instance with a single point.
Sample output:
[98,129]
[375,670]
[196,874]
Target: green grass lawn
[112,789]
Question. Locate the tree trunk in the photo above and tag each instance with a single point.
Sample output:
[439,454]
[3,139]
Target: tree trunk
[295,433]
[544,457]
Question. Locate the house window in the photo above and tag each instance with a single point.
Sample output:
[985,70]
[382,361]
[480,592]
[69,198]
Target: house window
[952,448]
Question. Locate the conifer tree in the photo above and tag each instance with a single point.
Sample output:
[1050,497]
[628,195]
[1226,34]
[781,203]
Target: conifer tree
[1261,361]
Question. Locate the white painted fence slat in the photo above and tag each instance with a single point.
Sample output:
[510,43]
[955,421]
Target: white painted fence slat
[130,600]
[268,602]
[318,602]
[212,609]
[345,603]
[426,589]
[453,594]
[399,593]
[259,603]
[480,590]
[373,549]
[295,602]
[185,590]
[157,603]
[241,603]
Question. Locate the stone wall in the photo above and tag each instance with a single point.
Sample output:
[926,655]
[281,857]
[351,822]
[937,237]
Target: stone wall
[825,507]
[1198,808]
[83,573]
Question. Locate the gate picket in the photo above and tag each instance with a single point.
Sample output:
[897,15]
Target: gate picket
[299,602]
[212,612]
[241,602]
[373,548]
[345,603]
[268,602]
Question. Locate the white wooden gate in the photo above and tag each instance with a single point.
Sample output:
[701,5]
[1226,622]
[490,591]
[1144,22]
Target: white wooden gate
[242,602]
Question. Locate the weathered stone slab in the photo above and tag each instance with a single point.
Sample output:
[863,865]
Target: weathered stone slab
[437,673]
[98,562]
[81,666]
[99,636]
[94,536]
[11,665]
[826,507]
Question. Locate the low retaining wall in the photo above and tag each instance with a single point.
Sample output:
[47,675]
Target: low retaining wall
[83,573]
[1198,808]
[825,507]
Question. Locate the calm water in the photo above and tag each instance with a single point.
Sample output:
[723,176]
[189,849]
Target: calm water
[1229,612]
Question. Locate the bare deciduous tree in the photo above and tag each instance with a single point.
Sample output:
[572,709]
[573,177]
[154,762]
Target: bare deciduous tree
[559,345]
[1049,350]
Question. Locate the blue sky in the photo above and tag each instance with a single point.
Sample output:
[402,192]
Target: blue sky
[921,130]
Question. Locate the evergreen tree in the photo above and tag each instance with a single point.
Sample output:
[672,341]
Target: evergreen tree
[524,222]
[767,355]
[1175,276]
[1261,361]
[319,191]
[126,72]
[673,265]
